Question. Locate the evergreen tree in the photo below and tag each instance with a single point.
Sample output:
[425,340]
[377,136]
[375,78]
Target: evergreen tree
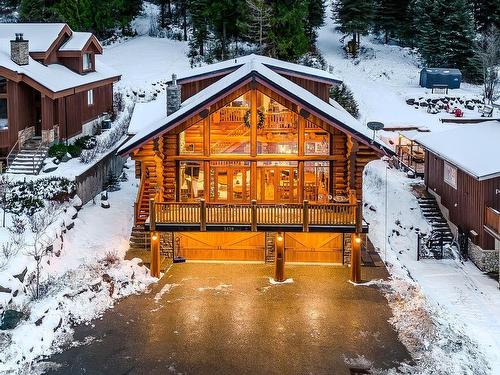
[390,17]
[315,18]
[343,95]
[225,16]
[486,14]
[355,17]
[36,11]
[7,9]
[200,16]
[287,37]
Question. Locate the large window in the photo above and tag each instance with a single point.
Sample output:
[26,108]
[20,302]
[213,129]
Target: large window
[229,181]
[317,181]
[230,128]
[316,140]
[191,181]
[191,140]
[3,103]
[277,128]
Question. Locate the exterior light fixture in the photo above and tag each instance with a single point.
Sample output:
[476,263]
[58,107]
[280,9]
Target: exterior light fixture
[357,240]
[154,237]
[280,238]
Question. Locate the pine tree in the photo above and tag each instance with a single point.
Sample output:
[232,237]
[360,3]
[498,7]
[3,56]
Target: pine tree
[486,14]
[344,96]
[355,17]
[315,18]
[287,37]
[390,17]
[8,8]
[36,11]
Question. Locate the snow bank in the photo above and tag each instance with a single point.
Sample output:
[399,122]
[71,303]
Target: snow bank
[446,313]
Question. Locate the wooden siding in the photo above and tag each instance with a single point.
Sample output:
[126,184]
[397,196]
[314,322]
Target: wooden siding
[320,89]
[20,112]
[467,203]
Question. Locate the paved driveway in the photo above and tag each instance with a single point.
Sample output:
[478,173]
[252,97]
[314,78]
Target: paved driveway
[229,319]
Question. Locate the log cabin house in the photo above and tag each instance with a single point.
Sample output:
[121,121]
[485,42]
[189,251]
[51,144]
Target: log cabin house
[52,88]
[254,149]
[462,170]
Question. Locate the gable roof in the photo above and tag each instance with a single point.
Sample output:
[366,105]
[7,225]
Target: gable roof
[40,35]
[254,70]
[78,41]
[279,66]
[472,148]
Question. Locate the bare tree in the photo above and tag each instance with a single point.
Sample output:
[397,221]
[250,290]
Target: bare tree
[4,188]
[259,22]
[488,52]
[39,223]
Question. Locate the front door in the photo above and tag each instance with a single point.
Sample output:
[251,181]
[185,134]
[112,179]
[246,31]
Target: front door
[278,184]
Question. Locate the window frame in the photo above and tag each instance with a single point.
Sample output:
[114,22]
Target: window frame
[90,97]
[87,63]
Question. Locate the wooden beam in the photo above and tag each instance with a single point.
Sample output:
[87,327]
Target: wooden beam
[356,258]
[155,254]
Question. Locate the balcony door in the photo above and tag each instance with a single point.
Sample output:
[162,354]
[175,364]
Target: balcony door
[277,184]
[231,184]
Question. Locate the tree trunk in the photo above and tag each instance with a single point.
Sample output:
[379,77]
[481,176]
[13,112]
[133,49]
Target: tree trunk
[184,23]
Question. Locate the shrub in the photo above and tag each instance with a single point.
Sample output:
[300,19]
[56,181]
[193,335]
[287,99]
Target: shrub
[342,95]
[86,142]
[74,150]
[58,151]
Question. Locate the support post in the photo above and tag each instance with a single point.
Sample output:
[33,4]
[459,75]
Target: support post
[305,216]
[254,215]
[155,241]
[359,216]
[356,258]
[279,254]
[155,254]
[203,215]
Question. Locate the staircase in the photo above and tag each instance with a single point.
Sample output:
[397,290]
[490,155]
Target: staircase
[139,245]
[146,192]
[441,234]
[28,160]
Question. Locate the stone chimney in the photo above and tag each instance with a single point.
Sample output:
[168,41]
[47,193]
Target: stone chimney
[173,96]
[19,51]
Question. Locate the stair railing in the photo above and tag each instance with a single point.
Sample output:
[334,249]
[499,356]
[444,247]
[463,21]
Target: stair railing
[10,155]
[37,154]
[140,193]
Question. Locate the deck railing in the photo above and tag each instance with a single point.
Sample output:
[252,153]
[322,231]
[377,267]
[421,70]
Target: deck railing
[303,214]
[492,219]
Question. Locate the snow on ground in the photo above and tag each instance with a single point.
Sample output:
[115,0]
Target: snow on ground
[82,281]
[382,78]
[458,302]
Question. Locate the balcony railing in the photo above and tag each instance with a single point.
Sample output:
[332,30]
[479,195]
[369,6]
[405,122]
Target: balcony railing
[492,220]
[252,216]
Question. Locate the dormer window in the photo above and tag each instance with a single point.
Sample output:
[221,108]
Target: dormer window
[87,62]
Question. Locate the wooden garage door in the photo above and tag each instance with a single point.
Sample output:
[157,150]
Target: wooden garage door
[221,246]
[313,247]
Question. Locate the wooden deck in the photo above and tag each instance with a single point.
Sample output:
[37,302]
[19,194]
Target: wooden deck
[294,217]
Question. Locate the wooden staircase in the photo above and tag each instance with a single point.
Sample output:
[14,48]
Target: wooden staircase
[147,190]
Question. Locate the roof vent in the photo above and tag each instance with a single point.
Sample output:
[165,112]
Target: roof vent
[19,50]
[173,96]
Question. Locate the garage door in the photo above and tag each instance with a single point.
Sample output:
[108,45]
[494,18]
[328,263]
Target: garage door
[221,246]
[313,247]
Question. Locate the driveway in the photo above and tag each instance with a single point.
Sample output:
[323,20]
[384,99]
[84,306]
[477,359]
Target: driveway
[206,318]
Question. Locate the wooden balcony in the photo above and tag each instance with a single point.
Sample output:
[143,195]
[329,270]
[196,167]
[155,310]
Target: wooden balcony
[492,222]
[290,217]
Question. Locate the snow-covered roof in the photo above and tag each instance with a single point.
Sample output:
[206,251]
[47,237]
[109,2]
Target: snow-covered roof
[76,42]
[147,113]
[275,64]
[472,148]
[258,70]
[40,35]
[54,77]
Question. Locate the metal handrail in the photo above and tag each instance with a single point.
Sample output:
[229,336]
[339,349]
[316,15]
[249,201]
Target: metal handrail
[10,152]
[35,154]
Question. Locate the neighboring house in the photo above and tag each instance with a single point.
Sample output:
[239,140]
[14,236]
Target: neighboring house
[254,148]
[462,169]
[51,86]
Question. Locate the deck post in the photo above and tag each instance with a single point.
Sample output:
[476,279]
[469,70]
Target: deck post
[356,258]
[305,216]
[279,253]
[254,215]
[155,241]
[203,215]
[359,216]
